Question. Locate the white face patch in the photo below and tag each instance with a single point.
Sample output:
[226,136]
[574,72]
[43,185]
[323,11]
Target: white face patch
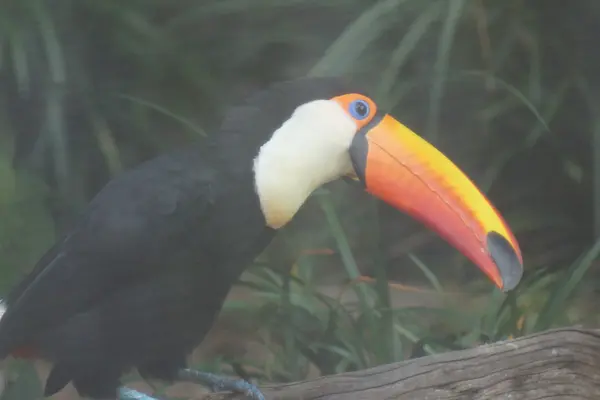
[307,151]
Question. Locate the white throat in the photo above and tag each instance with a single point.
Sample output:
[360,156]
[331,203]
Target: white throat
[307,151]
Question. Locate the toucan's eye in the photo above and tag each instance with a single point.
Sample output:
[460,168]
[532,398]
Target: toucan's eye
[359,109]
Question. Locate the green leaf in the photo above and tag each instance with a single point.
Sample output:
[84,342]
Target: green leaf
[455,10]
[566,287]
[355,39]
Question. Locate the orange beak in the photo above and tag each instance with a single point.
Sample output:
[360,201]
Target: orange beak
[399,167]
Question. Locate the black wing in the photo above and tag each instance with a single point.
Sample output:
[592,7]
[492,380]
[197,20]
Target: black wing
[130,229]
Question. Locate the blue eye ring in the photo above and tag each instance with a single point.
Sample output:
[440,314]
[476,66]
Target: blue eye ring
[359,109]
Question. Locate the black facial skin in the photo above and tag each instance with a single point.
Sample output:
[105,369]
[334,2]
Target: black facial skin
[359,148]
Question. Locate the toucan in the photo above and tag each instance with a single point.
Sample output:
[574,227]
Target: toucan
[141,276]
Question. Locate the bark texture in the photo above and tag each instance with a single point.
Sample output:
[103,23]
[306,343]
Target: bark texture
[556,364]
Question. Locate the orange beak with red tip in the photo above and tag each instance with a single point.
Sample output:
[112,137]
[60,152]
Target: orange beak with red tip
[399,167]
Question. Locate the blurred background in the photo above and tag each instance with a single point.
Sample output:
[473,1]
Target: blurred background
[508,89]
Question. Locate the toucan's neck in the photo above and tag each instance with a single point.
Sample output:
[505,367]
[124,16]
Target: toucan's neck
[306,152]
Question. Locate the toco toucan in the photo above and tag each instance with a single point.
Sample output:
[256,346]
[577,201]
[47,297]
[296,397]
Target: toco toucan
[139,280]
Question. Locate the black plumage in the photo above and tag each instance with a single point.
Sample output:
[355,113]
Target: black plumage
[139,280]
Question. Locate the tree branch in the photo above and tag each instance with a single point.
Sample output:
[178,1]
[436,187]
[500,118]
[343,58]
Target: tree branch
[561,364]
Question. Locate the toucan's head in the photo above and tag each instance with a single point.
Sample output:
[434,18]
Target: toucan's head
[323,129]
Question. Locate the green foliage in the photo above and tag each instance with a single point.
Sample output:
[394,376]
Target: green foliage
[306,329]
[26,228]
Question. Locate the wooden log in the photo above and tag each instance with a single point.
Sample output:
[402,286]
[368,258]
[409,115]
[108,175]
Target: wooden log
[556,364]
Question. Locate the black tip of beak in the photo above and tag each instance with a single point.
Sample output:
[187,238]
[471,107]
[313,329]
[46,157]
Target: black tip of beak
[506,259]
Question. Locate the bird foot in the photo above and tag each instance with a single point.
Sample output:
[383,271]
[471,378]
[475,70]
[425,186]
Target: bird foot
[214,382]
[220,383]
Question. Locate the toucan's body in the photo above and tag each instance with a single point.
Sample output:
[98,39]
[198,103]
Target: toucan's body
[140,279]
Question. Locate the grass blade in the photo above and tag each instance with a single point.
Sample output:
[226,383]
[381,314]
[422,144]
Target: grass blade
[427,272]
[355,39]
[565,288]
[455,9]
[345,250]
[514,91]
[408,43]
[184,121]
[20,63]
